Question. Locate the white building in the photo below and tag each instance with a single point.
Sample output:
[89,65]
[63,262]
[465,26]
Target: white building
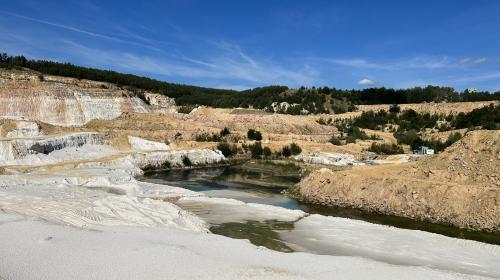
[423,150]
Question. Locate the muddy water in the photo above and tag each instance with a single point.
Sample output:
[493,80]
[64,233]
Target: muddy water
[267,188]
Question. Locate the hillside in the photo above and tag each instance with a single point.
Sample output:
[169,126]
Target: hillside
[460,186]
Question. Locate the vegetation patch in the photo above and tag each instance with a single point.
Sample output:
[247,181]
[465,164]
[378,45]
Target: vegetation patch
[386,149]
[253,134]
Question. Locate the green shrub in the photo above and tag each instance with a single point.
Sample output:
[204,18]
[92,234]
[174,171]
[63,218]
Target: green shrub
[185,109]
[321,121]
[224,132]
[206,137]
[295,149]
[254,135]
[394,109]
[286,151]
[388,149]
[335,141]
[410,138]
[227,149]
[452,138]
[267,152]
[256,150]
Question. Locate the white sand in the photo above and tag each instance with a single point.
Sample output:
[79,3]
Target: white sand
[346,237]
[38,250]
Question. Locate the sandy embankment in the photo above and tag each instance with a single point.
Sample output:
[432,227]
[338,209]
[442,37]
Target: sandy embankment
[460,186]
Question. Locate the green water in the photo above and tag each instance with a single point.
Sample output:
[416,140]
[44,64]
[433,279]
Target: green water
[267,186]
[258,233]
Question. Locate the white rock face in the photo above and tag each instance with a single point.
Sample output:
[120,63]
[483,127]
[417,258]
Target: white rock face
[66,101]
[141,144]
[14,149]
[337,159]
[176,158]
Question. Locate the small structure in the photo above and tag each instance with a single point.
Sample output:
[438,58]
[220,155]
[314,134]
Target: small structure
[423,150]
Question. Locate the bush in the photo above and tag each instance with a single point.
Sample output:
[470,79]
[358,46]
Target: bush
[225,132]
[254,135]
[452,138]
[394,109]
[267,152]
[206,137]
[295,149]
[410,137]
[185,109]
[256,150]
[322,121]
[335,141]
[388,149]
[488,117]
[227,149]
[286,152]
[186,161]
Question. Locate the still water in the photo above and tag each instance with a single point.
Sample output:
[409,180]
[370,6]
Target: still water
[263,187]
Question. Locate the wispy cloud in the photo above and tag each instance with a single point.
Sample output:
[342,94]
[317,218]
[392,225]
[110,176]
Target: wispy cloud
[230,64]
[91,33]
[63,26]
[480,60]
[464,60]
[417,62]
[355,63]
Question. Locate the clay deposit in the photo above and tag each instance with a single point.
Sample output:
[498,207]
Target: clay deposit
[460,186]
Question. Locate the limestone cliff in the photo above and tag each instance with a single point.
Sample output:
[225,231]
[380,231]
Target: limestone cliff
[68,101]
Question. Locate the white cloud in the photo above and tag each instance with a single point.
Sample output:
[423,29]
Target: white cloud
[480,60]
[366,82]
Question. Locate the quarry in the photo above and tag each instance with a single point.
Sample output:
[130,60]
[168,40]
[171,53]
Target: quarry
[72,152]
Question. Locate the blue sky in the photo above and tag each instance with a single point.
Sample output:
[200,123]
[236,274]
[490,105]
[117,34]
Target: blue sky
[242,44]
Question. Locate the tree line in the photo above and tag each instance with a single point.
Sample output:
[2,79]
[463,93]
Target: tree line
[305,100]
